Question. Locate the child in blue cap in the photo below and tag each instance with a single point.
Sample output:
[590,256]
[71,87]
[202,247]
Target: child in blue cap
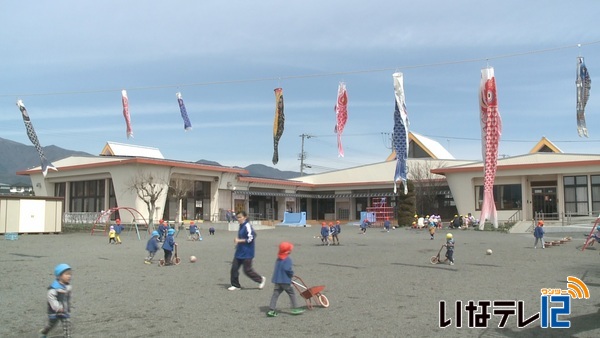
[152,247]
[59,301]
[169,245]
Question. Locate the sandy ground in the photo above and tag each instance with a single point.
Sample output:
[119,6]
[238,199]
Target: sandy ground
[379,285]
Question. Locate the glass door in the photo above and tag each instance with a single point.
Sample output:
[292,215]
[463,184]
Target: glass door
[544,202]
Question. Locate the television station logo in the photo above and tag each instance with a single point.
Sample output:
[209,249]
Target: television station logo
[555,304]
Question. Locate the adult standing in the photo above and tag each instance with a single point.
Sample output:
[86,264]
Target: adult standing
[244,254]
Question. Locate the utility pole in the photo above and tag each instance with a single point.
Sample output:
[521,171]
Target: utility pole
[302,154]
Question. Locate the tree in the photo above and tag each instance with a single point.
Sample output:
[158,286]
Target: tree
[148,188]
[406,206]
[180,188]
[428,186]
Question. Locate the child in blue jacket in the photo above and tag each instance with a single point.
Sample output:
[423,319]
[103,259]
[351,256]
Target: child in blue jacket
[152,247]
[538,233]
[324,234]
[282,278]
[168,246]
[118,229]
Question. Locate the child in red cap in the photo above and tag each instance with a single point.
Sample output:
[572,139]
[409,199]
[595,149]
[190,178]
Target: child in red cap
[282,278]
[538,233]
[324,234]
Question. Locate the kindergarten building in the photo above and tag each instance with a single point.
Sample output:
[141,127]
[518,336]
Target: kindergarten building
[545,181]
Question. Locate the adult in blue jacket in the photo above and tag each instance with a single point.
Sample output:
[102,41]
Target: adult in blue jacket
[244,254]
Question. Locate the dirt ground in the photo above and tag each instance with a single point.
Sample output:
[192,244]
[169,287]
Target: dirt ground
[379,285]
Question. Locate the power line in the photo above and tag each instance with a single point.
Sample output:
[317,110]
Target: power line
[306,76]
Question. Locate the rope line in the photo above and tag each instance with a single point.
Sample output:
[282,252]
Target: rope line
[306,76]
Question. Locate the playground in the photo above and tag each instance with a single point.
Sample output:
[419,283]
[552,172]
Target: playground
[378,285]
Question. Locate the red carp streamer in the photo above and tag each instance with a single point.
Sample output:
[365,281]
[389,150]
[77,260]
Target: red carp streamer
[341,114]
[126,113]
[491,129]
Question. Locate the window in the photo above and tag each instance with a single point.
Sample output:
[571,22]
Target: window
[576,195]
[60,189]
[595,193]
[506,197]
[87,196]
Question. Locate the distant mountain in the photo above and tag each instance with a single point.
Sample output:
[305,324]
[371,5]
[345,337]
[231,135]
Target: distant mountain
[260,170]
[207,162]
[16,156]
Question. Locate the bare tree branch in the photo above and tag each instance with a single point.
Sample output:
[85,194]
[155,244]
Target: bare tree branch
[148,188]
[428,186]
[180,188]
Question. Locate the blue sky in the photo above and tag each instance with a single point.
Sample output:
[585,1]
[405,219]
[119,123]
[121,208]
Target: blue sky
[69,60]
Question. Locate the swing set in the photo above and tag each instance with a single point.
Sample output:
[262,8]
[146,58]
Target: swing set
[103,221]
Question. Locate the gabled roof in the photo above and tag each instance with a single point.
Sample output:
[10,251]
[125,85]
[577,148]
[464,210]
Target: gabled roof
[420,145]
[120,149]
[545,146]
[375,174]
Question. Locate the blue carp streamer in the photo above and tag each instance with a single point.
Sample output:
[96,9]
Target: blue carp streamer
[187,125]
[400,136]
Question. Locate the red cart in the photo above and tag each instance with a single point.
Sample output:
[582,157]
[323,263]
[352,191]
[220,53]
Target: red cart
[308,293]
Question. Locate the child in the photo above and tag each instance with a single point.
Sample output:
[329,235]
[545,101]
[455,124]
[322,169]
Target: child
[111,235]
[194,232]
[162,230]
[432,227]
[420,222]
[595,237]
[152,247]
[59,301]
[449,248]
[211,231]
[331,231]
[538,233]
[118,229]
[168,246]
[386,224]
[364,225]
[198,234]
[324,234]
[282,278]
[455,222]
[336,231]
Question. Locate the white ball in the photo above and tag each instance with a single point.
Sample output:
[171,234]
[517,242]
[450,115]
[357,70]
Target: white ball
[193,259]
[489,251]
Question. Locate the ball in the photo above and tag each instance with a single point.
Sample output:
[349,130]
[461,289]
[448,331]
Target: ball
[489,251]
[193,259]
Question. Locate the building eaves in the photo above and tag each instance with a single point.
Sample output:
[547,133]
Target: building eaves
[101,161]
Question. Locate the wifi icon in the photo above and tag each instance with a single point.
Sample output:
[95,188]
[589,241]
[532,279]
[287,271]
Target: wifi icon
[577,288]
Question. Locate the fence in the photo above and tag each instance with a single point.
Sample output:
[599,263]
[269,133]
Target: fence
[80,217]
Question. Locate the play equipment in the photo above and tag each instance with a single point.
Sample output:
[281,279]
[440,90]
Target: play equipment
[436,259]
[175,260]
[379,211]
[103,220]
[294,219]
[310,293]
[589,238]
